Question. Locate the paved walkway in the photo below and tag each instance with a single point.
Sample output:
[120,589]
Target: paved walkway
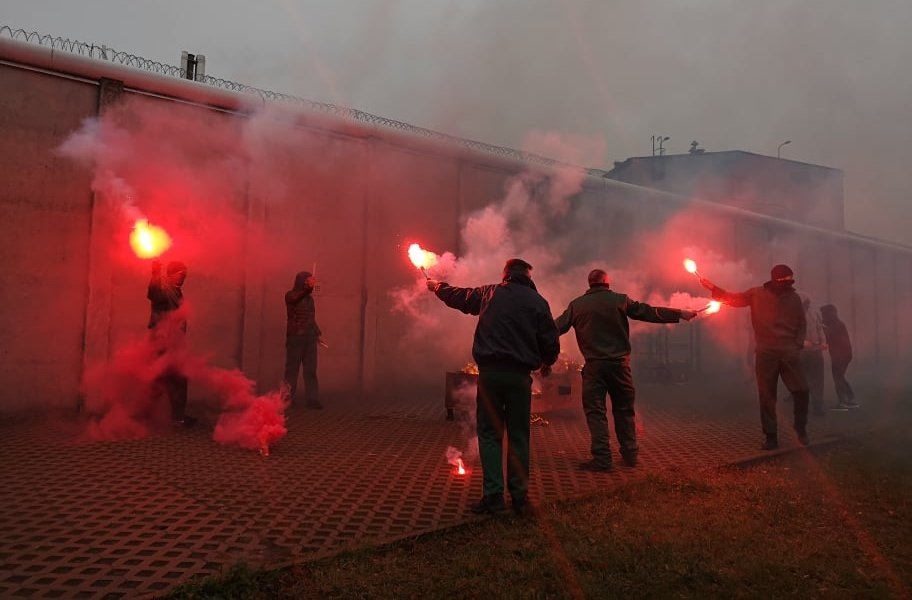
[134,519]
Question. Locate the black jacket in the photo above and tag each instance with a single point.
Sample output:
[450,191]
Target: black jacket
[777,314]
[165,298]
[600,319]
[515,330]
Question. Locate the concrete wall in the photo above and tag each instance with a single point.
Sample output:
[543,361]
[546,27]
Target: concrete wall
[45,229]
[251,199]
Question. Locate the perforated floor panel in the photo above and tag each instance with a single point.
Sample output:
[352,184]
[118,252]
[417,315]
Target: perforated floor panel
[134,519]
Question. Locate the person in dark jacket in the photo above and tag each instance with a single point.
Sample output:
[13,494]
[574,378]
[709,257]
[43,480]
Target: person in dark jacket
[302,335]
[515,335]
[168,326]
[840,346]
[779,323]
[600,320]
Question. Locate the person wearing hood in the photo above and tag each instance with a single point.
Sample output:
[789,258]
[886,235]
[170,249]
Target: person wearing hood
[812,354]
[840,346]
[600,319]
[302,335]
[168,327]
[514,336]
[780,327]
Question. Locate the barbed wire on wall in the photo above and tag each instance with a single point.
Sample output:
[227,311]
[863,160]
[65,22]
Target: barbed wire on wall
[106,53]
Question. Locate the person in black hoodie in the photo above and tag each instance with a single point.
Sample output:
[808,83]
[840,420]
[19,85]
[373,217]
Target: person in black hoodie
[168,326]
[778,319]
[302,335]
[600,319]
[840,346]
[515,335]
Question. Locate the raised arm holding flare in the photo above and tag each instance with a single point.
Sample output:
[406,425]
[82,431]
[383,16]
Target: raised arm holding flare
[779,324]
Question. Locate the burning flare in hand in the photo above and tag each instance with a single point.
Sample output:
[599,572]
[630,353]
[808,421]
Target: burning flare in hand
[422,259]
[149,241]
[691,267]
[713,307]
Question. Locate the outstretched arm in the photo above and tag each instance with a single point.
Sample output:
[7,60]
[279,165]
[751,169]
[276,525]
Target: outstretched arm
[736,299]
[467,300]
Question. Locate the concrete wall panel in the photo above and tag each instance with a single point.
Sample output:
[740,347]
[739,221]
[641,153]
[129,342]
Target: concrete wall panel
[44,232]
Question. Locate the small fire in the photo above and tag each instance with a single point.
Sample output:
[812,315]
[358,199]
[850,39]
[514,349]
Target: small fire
[454,457]
[148,241]
[690,266]
[712,307]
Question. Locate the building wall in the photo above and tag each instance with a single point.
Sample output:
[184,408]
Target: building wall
[776,187]
[45,205]
[344,200]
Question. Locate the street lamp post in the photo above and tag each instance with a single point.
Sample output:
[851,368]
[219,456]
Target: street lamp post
[779,149]
[661,140]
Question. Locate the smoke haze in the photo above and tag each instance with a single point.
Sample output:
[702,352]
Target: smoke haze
[825,74]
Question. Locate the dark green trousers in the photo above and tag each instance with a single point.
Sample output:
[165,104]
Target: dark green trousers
[614,379]
[504,403]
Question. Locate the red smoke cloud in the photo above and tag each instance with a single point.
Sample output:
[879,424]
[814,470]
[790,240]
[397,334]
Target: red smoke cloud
[123,401]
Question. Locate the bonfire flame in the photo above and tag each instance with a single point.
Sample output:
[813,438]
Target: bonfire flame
[148,241]
[422,259]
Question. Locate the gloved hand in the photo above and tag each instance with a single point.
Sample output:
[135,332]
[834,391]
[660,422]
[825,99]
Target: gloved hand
[432,285]
[687,315]
[706,283]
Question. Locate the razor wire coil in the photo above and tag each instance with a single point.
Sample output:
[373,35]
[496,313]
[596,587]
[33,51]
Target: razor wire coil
[109,54]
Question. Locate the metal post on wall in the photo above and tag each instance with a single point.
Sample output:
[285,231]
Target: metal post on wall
[96,341]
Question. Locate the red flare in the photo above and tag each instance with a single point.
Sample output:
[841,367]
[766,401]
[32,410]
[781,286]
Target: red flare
[148,241]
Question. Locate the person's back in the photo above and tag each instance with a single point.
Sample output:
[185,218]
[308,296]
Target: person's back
[840,347]
[515,335]
[509,324]
[600,319]
[837,335]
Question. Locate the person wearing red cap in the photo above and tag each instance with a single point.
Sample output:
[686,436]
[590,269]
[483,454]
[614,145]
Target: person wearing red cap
[779,323]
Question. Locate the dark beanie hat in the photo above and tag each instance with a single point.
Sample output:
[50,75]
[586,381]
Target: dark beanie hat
[781,272]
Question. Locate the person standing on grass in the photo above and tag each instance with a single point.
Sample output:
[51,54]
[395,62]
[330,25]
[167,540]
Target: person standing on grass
[600,318]
[777,316]
[515,335]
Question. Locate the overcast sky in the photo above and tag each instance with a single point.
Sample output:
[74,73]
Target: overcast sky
[830,75]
